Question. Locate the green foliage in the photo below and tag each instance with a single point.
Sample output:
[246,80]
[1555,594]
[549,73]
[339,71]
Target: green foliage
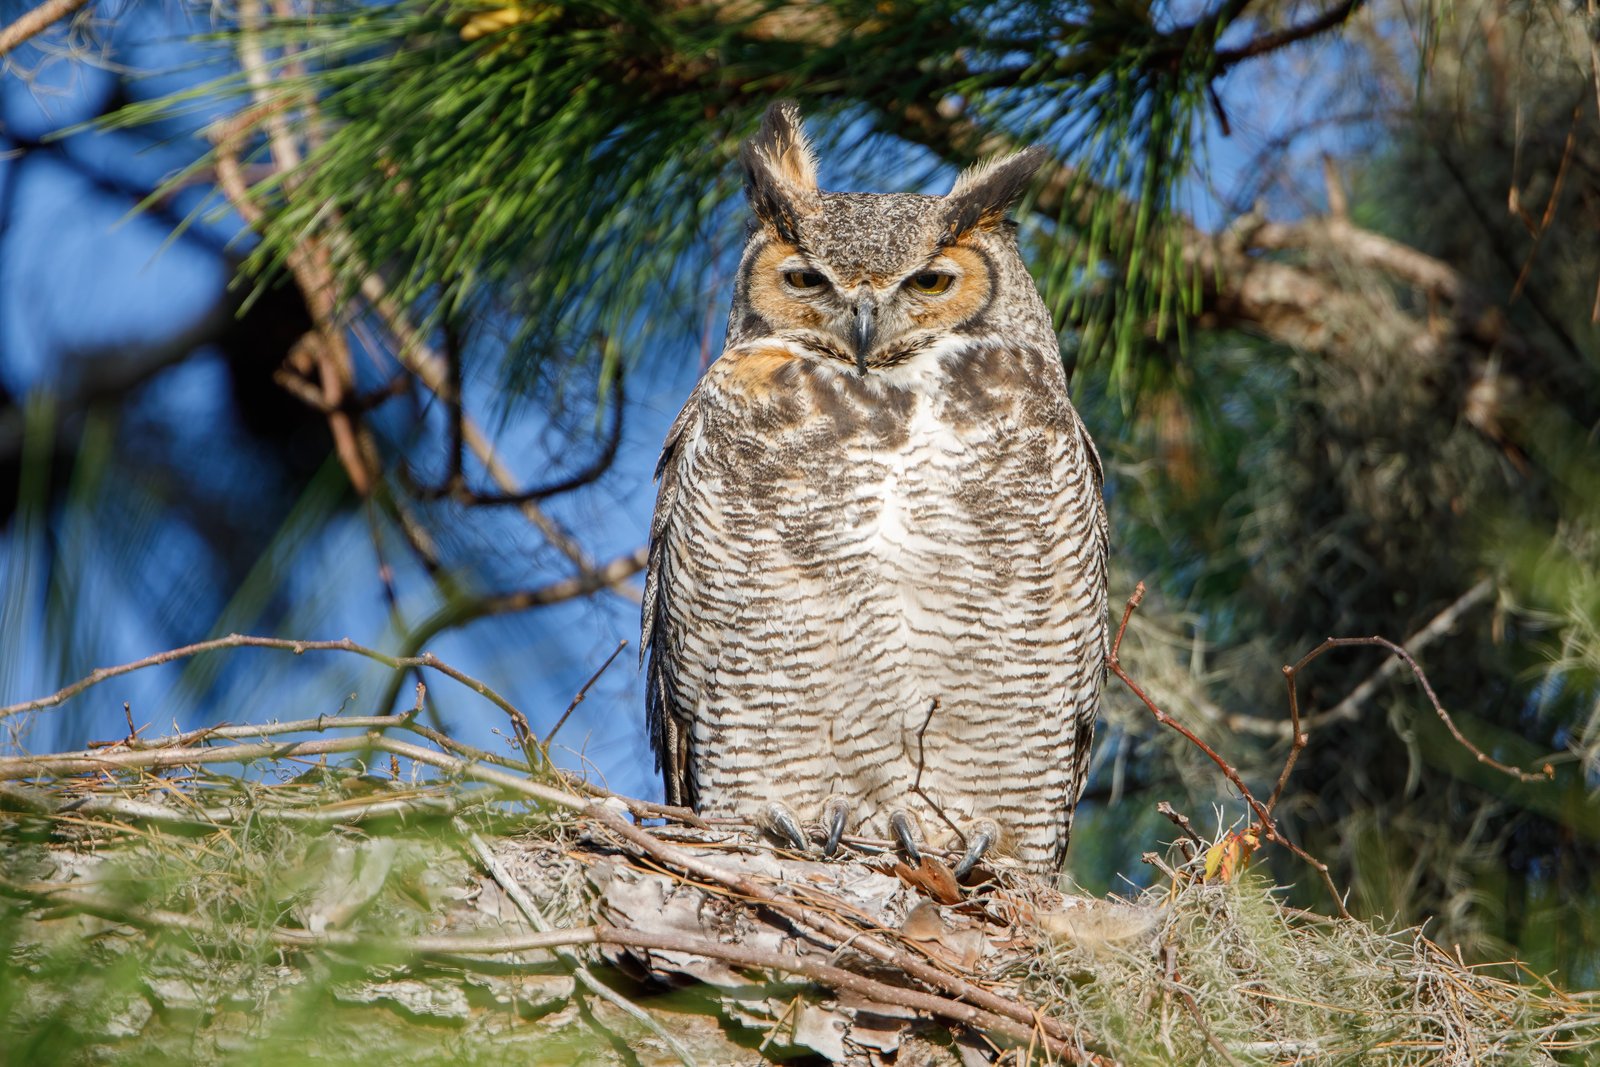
[1273,498]
[568,177]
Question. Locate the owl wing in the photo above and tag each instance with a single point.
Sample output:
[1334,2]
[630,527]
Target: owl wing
[669,728]
[1097,558]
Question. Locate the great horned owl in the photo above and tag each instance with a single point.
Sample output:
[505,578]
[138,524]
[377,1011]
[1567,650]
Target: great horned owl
[877,584]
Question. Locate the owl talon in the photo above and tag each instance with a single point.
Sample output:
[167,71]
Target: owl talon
[981,837]
[781,823]
[905,836]
[835,813]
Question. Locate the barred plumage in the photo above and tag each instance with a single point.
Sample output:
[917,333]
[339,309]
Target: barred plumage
[880,542]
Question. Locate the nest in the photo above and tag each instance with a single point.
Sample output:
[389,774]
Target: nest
[466,905]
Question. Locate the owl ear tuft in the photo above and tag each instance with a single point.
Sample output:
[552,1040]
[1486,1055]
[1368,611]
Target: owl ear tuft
[986,191]
[780,170]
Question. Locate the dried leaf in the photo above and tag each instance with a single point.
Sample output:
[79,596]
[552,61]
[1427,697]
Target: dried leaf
[923,922]
[1228,858]
[933,878]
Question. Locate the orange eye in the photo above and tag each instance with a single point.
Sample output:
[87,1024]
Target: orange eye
[932,282]
[804,279]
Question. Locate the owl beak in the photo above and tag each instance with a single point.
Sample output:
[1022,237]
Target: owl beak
[865,331]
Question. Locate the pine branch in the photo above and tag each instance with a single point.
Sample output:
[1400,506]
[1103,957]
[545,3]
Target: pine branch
[36,21]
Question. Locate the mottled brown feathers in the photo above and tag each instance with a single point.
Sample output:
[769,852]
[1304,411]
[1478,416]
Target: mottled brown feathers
[878,554]
[985,192]
[780,171]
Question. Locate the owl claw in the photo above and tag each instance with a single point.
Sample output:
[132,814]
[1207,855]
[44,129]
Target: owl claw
[981,837]
[835,813]
[905,836]
[781,823]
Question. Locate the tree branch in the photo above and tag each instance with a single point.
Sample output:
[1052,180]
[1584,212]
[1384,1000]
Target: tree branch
[36,21]
[1330,19]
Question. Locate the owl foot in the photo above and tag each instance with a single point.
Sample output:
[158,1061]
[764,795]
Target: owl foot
[905,836]
[835,814]
[776,819]
[981,836]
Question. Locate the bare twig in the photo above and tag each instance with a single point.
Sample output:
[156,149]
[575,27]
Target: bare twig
[1269,826]
[1263,812]
[456,488]
[34,22]
[1271,42]
[584,692]
[427,659]
[1181,821]
[592,579]
[309,261]
[1549,207]
[320,724]
[641,809]
[13,768]
[339,813]
[916,785]
[1349,708]
[1205,1031]
[413,353]
[1297,741]
[1292,674]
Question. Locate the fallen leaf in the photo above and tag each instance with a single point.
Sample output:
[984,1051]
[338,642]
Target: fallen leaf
[933,878]
[1226,859]
[923,922]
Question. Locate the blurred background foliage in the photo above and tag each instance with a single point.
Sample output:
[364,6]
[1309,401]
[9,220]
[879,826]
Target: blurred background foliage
[1326,277]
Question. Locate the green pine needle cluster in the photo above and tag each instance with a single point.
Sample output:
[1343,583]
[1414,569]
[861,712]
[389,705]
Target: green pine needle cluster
[562,175]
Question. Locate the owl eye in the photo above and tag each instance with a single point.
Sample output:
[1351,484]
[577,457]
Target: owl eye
[804,279]
[932,282]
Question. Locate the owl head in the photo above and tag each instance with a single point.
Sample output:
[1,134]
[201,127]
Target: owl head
[868,280]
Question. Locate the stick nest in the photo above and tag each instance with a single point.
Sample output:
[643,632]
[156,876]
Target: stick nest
[453,909]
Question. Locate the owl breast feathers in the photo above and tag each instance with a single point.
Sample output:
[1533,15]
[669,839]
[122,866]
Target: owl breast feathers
[877,584]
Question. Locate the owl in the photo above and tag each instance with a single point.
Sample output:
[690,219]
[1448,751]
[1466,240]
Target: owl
[876,599]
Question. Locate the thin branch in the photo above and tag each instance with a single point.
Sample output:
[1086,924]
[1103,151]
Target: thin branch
[577,480]
[428,660]
[582,693]
[451,396]
[1269,826]
[319,724]
[1263,812]
[591,580]
[1330,19]
[1349,709]
[1205,1031]
[13,768]
[1181,821]
[311,266]
[640,809]
[32,23]
[1549,207]
[341,813]
[1292,672]
[414,354]
[916,785]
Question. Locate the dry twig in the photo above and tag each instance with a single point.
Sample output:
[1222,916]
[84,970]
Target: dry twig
[1269,826]
[1263,812]
[34,22]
